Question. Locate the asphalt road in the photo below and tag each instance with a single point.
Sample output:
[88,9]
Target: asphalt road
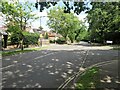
[50,68]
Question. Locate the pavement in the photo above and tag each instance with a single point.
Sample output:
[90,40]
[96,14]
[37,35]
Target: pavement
[109,76]
[51,67]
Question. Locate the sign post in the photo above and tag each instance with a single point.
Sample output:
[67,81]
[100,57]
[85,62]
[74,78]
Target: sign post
[41,36]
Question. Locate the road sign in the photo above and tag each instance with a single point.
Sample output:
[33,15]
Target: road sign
[110,42]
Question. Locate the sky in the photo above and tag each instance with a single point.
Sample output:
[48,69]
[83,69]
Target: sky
[36,23]
[44,19]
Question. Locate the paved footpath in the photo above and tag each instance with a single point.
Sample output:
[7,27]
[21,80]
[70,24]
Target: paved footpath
[109,76]
[50,68]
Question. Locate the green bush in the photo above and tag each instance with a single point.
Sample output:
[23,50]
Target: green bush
[16,34]
[61,41]
[30,38]
[52,41]
[46,36]
[84,36]
[16,37]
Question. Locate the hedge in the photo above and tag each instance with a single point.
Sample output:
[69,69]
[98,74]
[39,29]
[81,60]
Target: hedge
[30,38]
[59,41]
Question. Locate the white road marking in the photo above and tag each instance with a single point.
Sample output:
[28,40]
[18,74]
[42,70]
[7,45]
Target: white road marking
[70,63]
[43,56]
[7,67]
[24,63]
[9,73]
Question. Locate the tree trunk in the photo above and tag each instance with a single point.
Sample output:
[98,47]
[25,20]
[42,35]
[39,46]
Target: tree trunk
[22,45]
[24,28]
[5,40]
[65,39]
[21,26]
[71,41]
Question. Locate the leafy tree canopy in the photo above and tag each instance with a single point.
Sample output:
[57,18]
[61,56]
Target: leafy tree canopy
[77,7]
[18,13]
[17,16]
[104,19]
[66,24]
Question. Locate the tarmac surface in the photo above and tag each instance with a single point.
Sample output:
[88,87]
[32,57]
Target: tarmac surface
[51,67]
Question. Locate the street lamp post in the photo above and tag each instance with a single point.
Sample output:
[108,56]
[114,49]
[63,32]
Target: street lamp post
[41,26]
[40,40]
[41,34]
[55,32]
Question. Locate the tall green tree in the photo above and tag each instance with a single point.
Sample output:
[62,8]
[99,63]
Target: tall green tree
[17,14]
[103,20]
[66,24]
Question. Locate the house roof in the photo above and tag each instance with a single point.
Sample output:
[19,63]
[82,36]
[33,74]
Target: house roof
[52,34]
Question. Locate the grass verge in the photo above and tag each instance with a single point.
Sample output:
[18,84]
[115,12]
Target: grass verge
[89,80]
[9,53]
[116,47]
